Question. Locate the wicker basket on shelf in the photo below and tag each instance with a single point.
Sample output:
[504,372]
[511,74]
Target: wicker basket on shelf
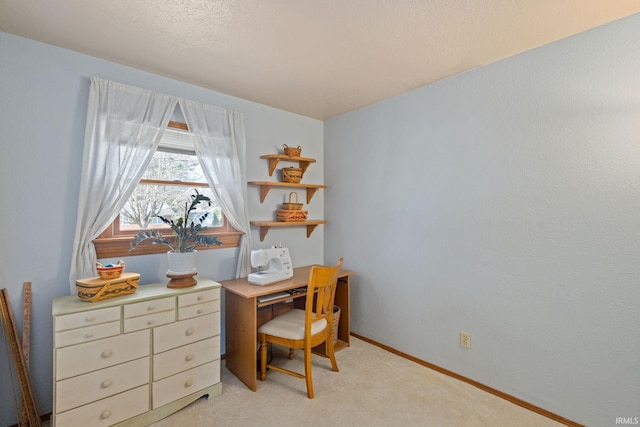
[291,151]
[293,175]
[286,215]
[292,206]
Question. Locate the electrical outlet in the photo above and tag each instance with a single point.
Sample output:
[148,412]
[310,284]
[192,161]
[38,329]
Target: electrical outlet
[465,339]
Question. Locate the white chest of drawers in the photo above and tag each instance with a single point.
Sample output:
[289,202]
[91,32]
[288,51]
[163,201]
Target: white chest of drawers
[135,359]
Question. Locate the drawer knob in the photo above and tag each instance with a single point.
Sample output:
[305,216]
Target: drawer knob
[189,331]
[106,384]
[151,322]
[189,357]
[200,298]
[88,335]
[151,308]
[89,319]
[105,414]
[106,354]
[188,383]
[200,311]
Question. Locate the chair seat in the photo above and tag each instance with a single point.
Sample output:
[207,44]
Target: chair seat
[290,325]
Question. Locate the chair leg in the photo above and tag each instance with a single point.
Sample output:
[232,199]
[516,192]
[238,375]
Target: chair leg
[307,371]
[263,359]
[332,355]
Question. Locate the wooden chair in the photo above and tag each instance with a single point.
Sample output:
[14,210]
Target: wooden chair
[304,329]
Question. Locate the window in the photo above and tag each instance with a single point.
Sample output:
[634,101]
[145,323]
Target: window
[171,177]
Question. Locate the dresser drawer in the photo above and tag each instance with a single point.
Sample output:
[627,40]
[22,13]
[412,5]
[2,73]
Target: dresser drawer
[148,307]
[185,332]
[108,411]
[90,333]
[87,388]
[86,318]
[185,383]
[198,297]
[149,321]
[198,309]
[183,358]
[91,356]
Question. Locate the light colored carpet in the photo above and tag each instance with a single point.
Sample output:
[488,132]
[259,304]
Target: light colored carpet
[373,388]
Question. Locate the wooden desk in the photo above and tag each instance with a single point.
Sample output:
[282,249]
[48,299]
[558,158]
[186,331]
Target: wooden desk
[241,318]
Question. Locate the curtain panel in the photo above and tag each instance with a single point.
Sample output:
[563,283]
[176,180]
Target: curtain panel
[123,129]
[219,141]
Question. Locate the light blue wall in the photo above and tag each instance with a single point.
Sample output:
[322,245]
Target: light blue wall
[43,98]
[504,202]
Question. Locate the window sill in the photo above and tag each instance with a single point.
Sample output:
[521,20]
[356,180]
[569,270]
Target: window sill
[112,247]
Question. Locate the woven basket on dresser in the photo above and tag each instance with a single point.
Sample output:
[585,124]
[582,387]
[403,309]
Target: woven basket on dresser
[96,289]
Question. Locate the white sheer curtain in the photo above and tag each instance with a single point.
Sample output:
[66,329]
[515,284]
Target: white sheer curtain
[124,126]
[220,145]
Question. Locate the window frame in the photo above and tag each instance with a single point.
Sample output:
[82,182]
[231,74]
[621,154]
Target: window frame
[113,242]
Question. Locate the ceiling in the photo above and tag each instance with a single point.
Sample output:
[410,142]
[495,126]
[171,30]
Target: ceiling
[317,58]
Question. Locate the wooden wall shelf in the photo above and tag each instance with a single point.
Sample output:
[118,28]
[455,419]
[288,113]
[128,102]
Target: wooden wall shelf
[304,162]
[266,225]
[265,186]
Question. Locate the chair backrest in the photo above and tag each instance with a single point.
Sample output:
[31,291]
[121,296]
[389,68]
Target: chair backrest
[322,283]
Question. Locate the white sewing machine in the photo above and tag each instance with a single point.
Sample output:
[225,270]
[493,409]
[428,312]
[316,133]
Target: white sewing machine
[277,262]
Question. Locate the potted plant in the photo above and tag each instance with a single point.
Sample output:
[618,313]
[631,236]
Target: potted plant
[186,237]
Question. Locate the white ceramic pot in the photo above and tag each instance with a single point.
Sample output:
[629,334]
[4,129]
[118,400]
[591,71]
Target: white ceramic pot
[181,262]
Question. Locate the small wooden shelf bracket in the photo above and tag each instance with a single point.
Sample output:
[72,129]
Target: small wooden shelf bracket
[310,228]
[263,232]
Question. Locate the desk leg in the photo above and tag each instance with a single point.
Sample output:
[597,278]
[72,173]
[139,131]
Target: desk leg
[240,329]
[342,300]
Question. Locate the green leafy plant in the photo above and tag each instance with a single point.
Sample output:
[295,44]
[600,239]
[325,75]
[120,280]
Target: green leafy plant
[186,234]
